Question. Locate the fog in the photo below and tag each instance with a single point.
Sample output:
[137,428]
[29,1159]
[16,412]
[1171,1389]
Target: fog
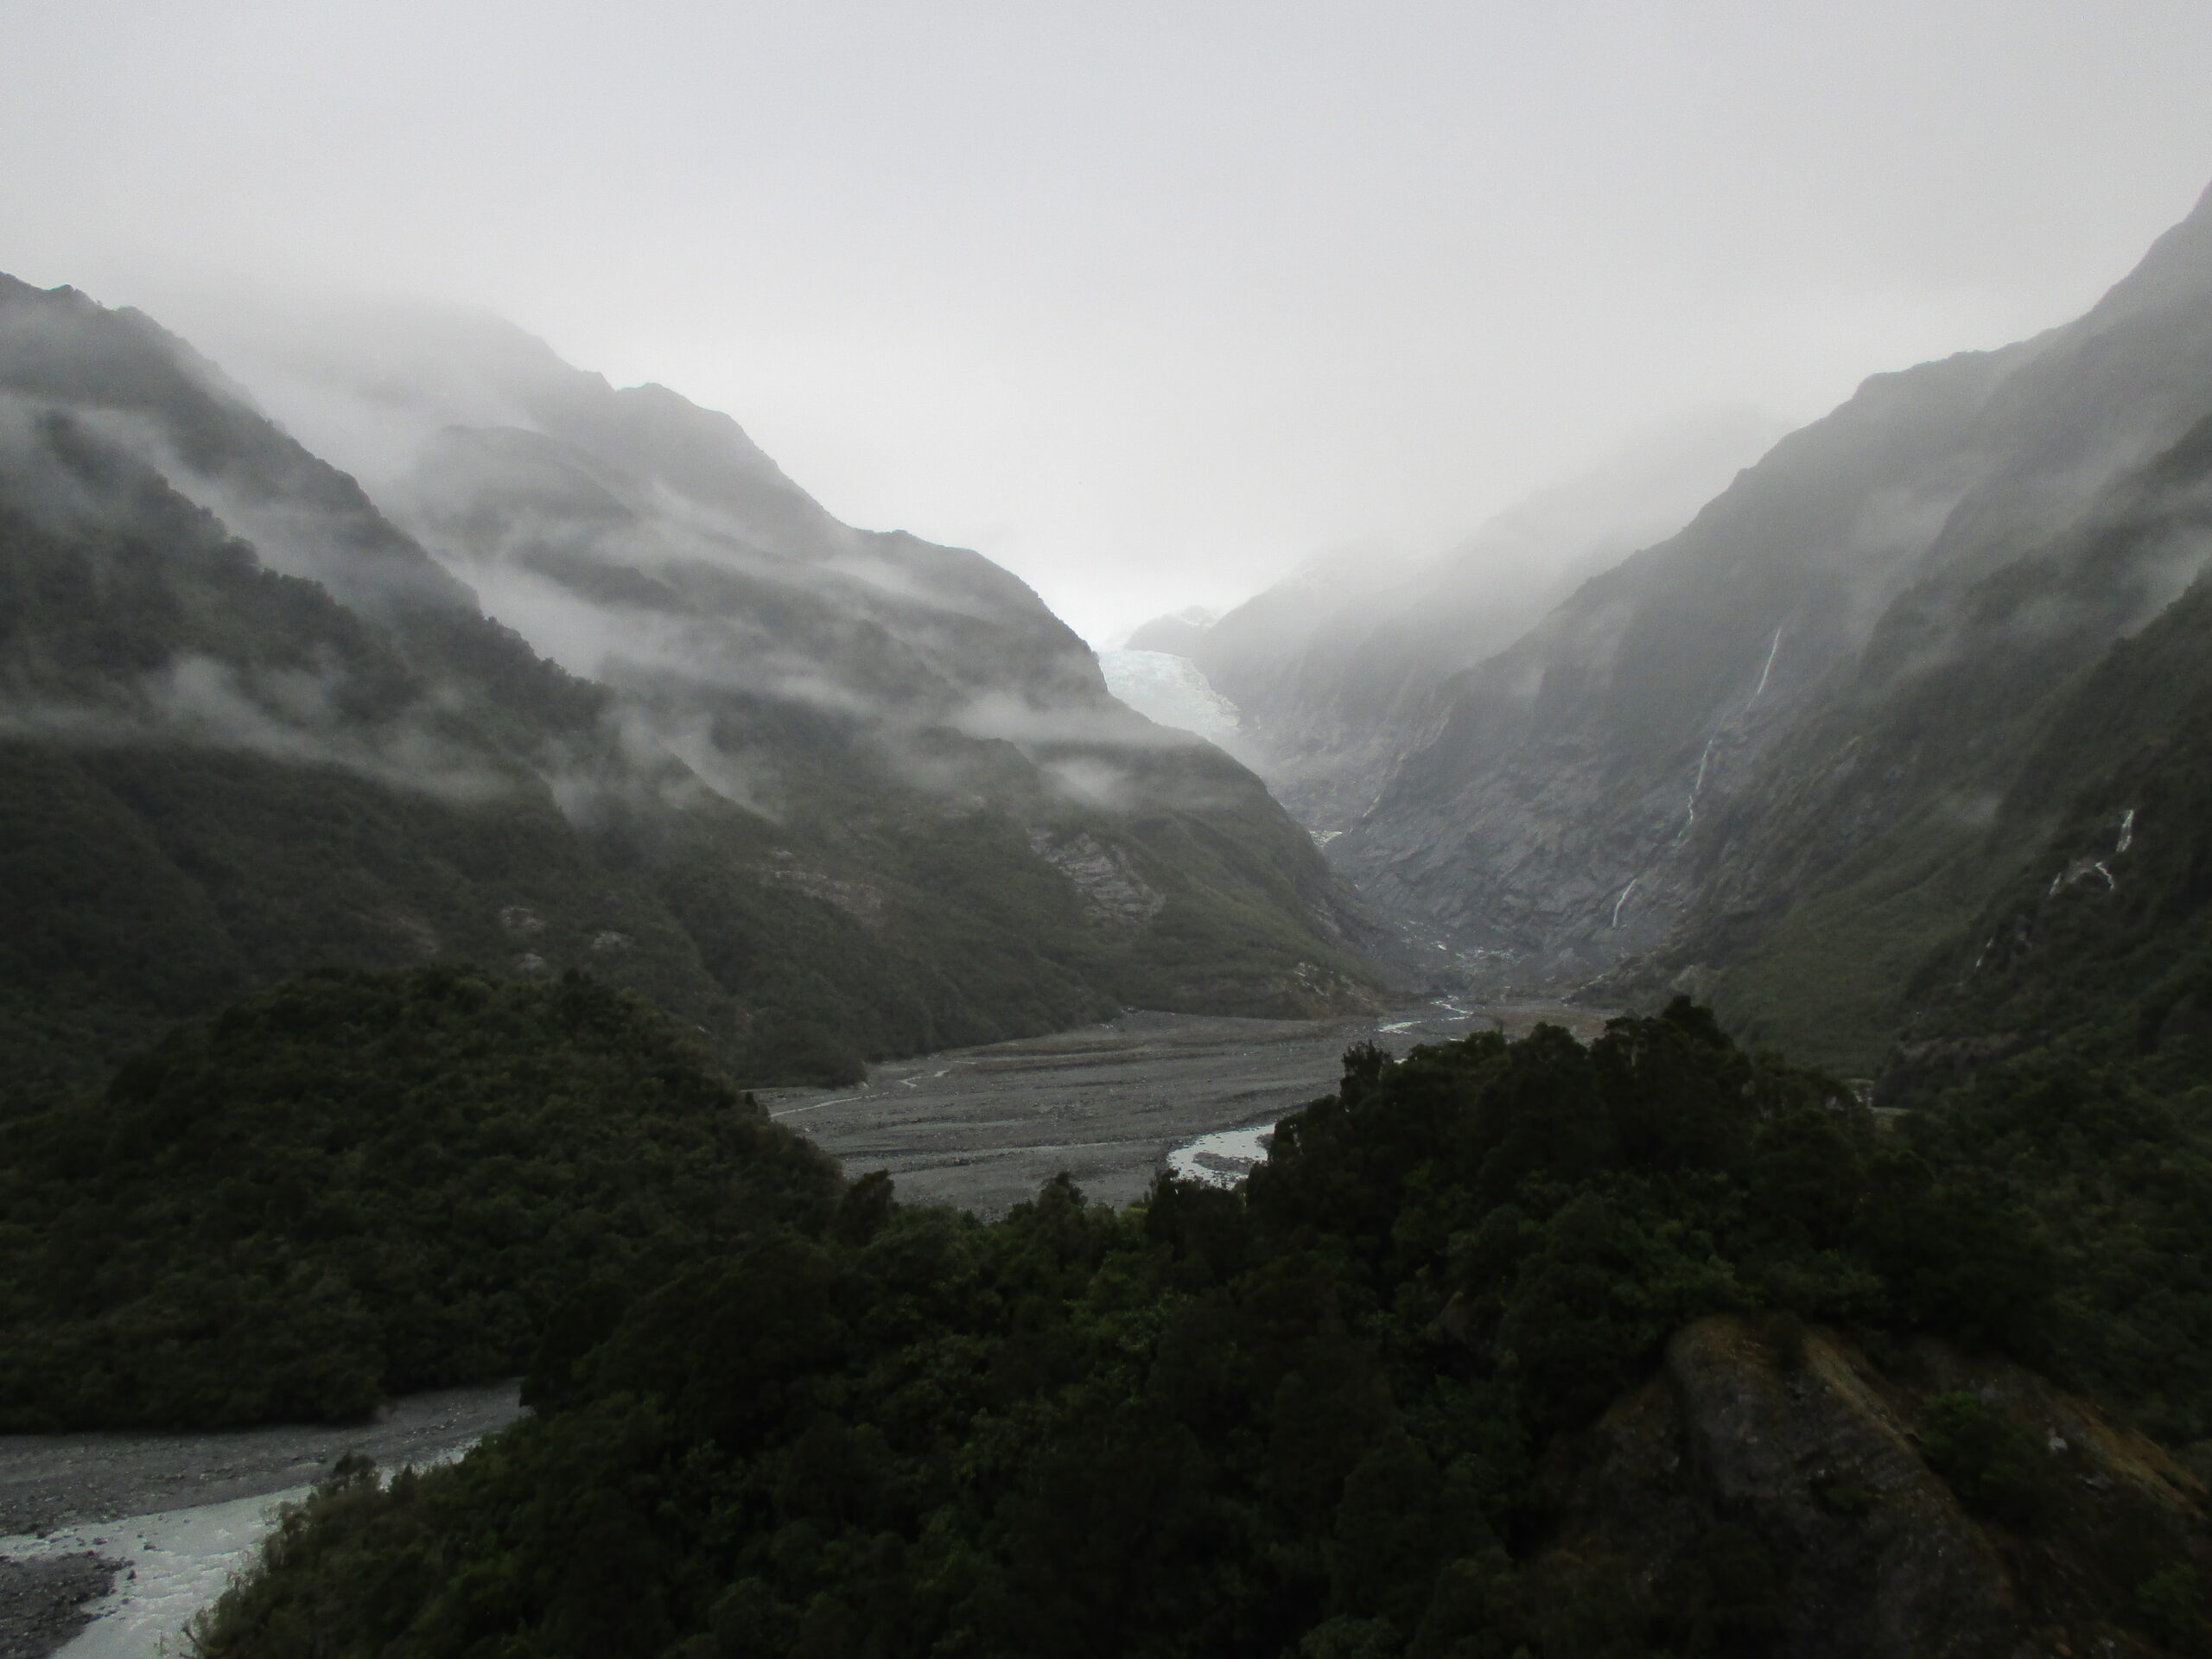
[1150,304]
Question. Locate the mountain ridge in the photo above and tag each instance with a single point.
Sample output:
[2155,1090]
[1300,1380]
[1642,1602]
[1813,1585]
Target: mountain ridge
[1700,741]
[826,799]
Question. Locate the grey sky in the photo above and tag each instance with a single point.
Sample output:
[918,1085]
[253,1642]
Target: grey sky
[1147,302]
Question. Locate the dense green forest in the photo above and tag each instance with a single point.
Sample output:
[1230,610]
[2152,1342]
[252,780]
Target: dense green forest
[1327,1414]
[359,1183]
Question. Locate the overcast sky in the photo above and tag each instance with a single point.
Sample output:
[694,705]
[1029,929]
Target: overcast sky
[1149,303]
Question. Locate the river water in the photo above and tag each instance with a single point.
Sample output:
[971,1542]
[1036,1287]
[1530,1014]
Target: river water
[180,1513]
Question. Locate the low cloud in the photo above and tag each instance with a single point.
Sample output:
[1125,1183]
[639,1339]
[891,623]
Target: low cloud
[286,715]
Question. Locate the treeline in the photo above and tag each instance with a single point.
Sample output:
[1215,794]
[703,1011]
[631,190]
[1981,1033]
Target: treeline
[1306,1417]
[360,1184]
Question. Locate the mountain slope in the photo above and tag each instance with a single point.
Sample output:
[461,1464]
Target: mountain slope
[359,1185]
[1336,667]
[849,795]
[2097,946]
[1852,642]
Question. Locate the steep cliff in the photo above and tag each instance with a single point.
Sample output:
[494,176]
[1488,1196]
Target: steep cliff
[1337,666]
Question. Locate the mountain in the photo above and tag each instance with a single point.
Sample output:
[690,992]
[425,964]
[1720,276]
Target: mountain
[826,794]
[2097,943]
[1337,668]
[1777,758]
[1176,633]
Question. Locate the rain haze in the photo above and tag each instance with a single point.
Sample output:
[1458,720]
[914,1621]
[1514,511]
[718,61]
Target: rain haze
[1148,303]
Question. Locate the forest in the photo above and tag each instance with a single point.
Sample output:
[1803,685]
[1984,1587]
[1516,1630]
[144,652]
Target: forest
[361,1184]
[1326,1413]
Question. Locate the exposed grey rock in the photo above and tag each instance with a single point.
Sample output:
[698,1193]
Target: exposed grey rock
[1337,667]
[1816,1456]
[1115,893]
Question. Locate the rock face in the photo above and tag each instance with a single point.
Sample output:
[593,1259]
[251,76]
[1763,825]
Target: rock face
[1779,1497]
[1812,701]
[1117,896]
[558,676]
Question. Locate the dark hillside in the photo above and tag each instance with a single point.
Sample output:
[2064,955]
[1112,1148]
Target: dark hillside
[1648,1347]
[1978,713]
[358,1184]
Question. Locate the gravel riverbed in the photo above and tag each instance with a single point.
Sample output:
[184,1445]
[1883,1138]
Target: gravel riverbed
[984,1128]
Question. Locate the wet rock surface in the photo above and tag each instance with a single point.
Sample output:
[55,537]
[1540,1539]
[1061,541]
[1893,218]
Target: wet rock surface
[43,1603]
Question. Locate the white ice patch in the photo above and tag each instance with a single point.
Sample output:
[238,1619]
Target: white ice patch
[1222,1159]
[1171,690]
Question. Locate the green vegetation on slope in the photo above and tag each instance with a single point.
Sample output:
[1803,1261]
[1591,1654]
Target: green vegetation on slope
[2061,1041]
[1825,983]
[360,1184]
[213,776]
[1305,1417]
[1982,712]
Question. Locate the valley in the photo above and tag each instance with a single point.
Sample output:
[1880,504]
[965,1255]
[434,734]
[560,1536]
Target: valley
[983,1128]
[1639,1085]
[134,1533]
[978,1129]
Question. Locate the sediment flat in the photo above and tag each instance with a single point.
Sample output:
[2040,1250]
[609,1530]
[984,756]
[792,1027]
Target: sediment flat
[983,1128]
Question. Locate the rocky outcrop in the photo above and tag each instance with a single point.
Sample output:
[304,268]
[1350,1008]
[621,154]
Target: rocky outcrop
[1114,892]
[42,1601]
[1777,1491]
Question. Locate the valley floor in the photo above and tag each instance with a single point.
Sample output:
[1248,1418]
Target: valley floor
[984,1128]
